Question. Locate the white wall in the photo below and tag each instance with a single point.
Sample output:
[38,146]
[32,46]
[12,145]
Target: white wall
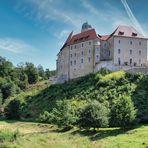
[125,48]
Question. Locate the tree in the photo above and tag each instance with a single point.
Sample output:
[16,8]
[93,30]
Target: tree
[8,89]
[123,112]
[32,73]
[63,115]
[49,73]
[12,110]
[1,98]
[41,71]
[5,67]
[94,115]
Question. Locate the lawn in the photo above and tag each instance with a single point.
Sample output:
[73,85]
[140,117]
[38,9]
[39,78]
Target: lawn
[36,135]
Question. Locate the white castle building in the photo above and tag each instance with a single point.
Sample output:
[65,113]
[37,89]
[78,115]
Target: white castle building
[87,52]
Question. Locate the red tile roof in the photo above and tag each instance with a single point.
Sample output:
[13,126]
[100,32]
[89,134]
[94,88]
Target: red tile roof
[127,31]
[104,37]
[84,36]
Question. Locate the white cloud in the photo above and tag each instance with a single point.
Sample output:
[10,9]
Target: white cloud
[15,46]
[44,11]
[111,15]
[132,17]
[62,34]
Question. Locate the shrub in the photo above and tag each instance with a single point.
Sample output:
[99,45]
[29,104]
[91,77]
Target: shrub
[94,115]
[45,117]
[12,110]
[123,112]
[8,136]
[63,115]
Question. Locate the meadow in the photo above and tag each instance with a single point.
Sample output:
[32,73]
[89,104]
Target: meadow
[17,134]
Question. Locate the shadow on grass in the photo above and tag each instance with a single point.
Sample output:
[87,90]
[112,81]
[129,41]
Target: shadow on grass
[103,133]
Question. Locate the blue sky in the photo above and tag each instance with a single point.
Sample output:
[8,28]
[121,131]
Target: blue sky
[35,30]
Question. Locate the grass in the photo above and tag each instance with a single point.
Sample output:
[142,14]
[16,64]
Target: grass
[116,75]
[36,135]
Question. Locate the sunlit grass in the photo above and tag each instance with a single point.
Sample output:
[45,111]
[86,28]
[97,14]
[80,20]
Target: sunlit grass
[36,135]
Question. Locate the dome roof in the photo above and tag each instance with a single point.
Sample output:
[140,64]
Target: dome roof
[86,26]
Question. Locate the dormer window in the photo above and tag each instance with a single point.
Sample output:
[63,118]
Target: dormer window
[134,34]
[121,33]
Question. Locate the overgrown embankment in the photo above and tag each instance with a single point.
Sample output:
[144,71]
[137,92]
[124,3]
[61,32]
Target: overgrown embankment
[124,97]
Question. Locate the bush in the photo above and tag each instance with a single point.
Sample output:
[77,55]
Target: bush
[12,110]
[8,136]
[94,115]
[45,117]
[63,115]
[123,112]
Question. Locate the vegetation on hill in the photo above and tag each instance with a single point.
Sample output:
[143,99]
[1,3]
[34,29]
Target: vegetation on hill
[14,80]
[122,97]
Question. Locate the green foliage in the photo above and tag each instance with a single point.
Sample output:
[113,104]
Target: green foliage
[32,73]
[41,72]
[94,115]
[123,112]
[61,103]
[63,115]
[45,117]
[1,98]
[12,110]
[8,136]
[49,73]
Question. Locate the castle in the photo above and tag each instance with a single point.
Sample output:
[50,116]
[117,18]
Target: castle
[87,52]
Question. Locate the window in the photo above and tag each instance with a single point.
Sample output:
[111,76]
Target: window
[130,51]
[81,60]
[75,46]
[71,47]
[75,54]
[119,51]
[89,51]
[140,43]
[74,62]
[119,62]
[71,63]
[139,52]
[71,55]
[82,44]
[89,43]
[97,49]
[89,59]
[131,42]
[130,61]
[82,53]
[119,41]
[109,52]
[97,57]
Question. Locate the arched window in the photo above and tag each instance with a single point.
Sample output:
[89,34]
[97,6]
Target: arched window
[74,62]
[131,61]
[119,62]
[89,59]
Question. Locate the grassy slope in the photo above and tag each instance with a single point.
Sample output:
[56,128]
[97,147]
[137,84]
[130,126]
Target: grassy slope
[102,87]
[34,135]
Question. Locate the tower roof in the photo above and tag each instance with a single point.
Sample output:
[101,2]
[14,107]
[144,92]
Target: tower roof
[86,26]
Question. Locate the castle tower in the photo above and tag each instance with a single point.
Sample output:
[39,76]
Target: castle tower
[85,27]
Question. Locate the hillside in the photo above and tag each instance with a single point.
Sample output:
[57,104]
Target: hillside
[104,87]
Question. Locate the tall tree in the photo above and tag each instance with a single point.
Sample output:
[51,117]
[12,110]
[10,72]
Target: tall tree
[32,73]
